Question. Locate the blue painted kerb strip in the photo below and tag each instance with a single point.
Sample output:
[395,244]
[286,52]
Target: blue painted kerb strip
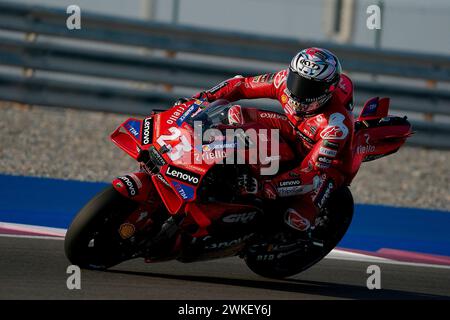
[54,203]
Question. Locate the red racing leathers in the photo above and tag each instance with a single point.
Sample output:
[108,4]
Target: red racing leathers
[322,140]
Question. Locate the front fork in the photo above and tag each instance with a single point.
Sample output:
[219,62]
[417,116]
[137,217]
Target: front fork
[139,187]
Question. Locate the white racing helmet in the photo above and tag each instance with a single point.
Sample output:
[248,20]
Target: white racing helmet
[313,75]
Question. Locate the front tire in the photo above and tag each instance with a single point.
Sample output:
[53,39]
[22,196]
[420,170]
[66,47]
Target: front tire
[91,240]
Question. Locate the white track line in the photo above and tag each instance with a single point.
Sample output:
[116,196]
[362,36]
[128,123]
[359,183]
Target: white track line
[45,231]
[30,237]
[335,254]
[338,254]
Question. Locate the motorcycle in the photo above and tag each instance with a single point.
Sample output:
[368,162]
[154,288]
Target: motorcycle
[183,202]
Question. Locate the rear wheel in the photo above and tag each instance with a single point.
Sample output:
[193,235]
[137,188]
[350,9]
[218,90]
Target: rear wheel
[92,239]
[296,255]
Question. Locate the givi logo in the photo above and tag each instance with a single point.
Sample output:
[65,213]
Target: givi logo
[240,217]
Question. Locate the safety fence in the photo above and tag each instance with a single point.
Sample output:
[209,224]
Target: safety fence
[132,66]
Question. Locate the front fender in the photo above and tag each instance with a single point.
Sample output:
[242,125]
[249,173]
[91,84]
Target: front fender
[136,186]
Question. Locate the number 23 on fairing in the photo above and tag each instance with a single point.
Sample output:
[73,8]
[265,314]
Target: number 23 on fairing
[177,151]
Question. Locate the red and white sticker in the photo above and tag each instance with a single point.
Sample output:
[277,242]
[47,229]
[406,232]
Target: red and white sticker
[235,115]
[296,221]
[336,128]
[280,77]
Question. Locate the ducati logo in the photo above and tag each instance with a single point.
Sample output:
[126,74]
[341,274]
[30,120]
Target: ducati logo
[296,221]
[235,115]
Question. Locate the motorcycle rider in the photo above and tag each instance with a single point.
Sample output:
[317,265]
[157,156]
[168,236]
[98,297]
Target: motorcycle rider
[317,100]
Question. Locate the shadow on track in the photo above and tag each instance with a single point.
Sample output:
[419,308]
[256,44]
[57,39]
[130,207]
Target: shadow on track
[297,286]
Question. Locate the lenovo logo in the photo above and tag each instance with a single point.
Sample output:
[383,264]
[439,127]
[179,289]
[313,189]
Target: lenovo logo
[183,175]
[147,132]
[130,185]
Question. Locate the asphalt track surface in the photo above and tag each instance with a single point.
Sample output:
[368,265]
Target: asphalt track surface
[33,268]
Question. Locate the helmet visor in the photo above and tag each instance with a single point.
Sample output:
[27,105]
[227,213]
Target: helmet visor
[306,90]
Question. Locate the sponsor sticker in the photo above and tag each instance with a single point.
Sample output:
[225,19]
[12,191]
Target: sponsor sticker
[191,110]
[336,129]
[235,115]
[216,145]
[226,244]
[324,194]
[210,157]
[126,230]
[183,175]
[161,178]
[147,131]
[176,114]
[272,115]
[184,191]
[244,217]
[367,148]
[321,165]
[324,159]
[290,191]
[370,107]
[296,220]
[130,185]
[289,183]
[134,127]
[216,88]
[329,144]
[279,79]
[327,152]
[136,179]
[362,149]
[156,157]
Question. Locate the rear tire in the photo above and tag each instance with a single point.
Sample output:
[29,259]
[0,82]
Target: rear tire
[340,207]
[91,240]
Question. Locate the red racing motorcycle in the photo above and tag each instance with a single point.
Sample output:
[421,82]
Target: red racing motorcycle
[184,203]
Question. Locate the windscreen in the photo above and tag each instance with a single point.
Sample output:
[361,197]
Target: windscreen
[213,115]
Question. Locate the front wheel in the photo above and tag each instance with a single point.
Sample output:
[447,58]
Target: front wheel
[295,259]
[91,240]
